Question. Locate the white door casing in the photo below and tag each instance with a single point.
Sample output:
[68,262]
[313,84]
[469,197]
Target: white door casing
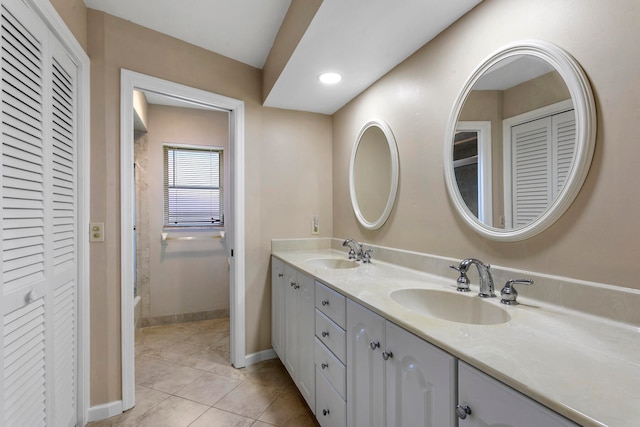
[129,82]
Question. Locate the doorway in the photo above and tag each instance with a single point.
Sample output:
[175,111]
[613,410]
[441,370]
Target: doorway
[131,81]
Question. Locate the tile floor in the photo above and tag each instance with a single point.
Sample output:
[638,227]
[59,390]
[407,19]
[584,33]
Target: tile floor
[184,378]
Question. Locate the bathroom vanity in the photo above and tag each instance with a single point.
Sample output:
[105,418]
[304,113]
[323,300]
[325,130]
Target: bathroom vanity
[379,360]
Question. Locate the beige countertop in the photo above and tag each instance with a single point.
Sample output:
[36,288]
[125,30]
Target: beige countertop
[584,367]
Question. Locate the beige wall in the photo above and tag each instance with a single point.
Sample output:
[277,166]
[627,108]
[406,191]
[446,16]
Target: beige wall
[597,238]
[74,15]
[184,276]
[271,138]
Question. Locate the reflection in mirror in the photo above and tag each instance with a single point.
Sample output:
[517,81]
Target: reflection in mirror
[521,98]
[373,176]
[521,138]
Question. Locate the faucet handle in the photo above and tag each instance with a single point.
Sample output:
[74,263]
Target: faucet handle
[366,256]
[463,280]
[509,294]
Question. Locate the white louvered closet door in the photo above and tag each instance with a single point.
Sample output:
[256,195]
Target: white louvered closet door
[542,152]
[39,238]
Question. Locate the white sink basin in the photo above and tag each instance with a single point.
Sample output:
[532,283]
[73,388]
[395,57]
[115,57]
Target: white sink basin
[333,263]
[454,307]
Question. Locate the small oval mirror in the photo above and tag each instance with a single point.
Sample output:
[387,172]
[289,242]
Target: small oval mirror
[520,140]
[373,174]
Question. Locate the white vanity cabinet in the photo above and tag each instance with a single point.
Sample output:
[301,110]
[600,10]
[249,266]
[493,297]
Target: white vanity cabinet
[293,325]
[492,403]
[393,377]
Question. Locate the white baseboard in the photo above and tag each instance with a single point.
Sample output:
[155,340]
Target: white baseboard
[104,411]
[252,359]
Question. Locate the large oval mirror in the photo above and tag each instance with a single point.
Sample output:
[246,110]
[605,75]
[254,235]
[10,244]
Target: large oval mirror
[373,174]
[520,140]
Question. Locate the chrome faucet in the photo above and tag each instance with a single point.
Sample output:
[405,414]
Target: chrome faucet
[355,249]
[487,288]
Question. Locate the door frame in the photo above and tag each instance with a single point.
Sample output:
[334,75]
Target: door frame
[129,82]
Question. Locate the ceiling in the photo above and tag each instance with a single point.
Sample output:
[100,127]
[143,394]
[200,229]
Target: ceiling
[361,43]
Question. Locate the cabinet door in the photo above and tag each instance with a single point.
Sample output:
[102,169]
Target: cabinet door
[306,379]
[365,367]
[494,404]
[291,326]
[277,307]
[420,381]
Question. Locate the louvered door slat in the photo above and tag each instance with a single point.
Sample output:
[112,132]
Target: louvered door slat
[564,131]
[530,171]
[63,243]
[24,366]
[65,361]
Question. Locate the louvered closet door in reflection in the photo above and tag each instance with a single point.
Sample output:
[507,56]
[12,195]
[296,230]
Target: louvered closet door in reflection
[542,154]
[38,205]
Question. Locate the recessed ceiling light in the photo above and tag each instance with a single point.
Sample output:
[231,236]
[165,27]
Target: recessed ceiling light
[330,78]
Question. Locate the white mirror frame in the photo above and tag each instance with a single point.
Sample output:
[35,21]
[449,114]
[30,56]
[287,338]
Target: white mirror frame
[585,111]
[393,150]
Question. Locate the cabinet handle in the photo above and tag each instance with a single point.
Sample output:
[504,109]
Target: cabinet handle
[324,365]
[325,302]
[293,284]
[386,355]
[325,412]
[280,275]
[374,345]
[463,411]
[325,334]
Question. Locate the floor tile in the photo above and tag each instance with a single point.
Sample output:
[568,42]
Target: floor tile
[217,418]
[248,399]
[271,373]
[207,359]
[205,338]
[172,379]
[208,389]
[146,399]
[172,412]
[288,410]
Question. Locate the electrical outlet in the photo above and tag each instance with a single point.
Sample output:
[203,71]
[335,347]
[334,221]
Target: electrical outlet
[96,232]
[315,226]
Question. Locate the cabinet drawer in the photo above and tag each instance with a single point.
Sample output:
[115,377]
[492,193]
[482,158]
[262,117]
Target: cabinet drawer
[331,409]
[331,335]
[332,304]
[331,368]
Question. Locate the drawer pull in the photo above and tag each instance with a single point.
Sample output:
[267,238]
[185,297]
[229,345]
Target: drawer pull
[325,334]
[325,412]
[325,302]
[463,411]
[386,355]
[280,274]
[374,345]
[324,365]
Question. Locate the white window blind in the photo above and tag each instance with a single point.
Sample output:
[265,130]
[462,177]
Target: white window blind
[193,186]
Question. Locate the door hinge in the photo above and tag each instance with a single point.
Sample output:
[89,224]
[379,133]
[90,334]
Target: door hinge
[231,252]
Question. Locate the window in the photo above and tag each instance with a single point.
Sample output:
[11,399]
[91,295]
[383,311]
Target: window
[193,195]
